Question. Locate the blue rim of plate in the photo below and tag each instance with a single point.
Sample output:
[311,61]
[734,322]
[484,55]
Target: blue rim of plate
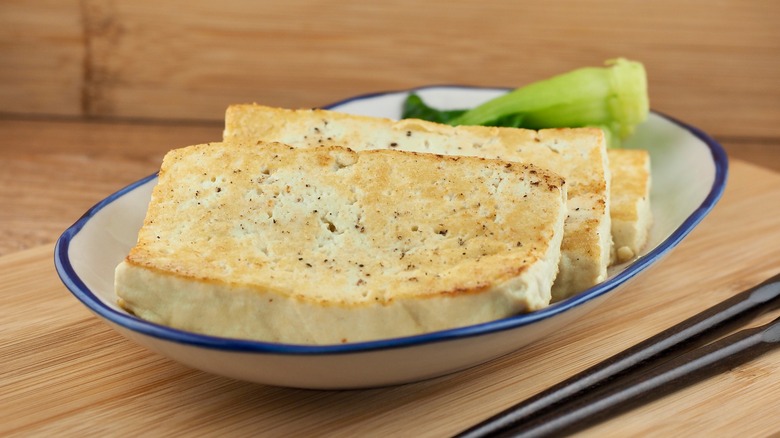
[79,289]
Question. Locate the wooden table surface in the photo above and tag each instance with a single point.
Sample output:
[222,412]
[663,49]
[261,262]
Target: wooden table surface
[95,92]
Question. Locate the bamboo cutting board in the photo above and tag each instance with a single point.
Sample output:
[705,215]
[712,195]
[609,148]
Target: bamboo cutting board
[64,372]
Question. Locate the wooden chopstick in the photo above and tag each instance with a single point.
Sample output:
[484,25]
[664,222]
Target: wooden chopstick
[647,370]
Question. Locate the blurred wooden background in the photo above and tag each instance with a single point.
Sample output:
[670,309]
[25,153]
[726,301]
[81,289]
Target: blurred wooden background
[94,92]
[714,64]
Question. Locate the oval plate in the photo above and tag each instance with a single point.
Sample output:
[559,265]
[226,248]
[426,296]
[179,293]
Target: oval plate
[689,174]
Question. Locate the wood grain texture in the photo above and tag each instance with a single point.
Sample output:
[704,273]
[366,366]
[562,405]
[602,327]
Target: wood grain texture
[67,373]
[762,152]
[713,64]
[42,54]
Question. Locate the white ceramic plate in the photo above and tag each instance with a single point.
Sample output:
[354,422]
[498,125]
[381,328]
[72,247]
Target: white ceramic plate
[689,174]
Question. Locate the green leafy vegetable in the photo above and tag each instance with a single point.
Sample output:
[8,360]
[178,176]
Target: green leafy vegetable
[415,108]
[613,97]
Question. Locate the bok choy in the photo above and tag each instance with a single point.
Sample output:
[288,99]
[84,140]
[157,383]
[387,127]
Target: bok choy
[613,97]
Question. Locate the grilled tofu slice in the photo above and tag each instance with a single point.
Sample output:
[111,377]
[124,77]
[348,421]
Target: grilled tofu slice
[579,155]
[328,245]
[630,212]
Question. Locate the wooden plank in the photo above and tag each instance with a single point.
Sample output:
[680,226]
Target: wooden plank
[41,57]
[761,152]
[712,64]
[55,382]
